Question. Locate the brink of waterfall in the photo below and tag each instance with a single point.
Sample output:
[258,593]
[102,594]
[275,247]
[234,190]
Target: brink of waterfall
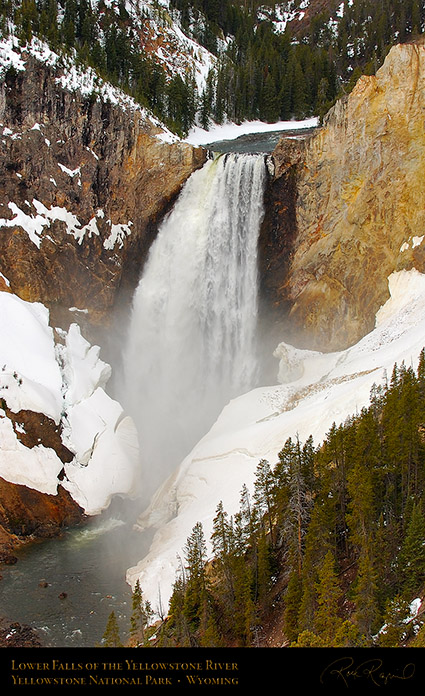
[192,337]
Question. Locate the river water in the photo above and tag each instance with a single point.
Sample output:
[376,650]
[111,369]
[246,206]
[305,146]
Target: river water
[257,142]
[88,564]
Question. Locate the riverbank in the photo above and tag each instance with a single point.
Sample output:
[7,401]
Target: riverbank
[16,635]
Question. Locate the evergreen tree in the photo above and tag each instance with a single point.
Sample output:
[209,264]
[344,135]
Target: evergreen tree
[327,621]
[299,503]
[196,586]
[411,560]
[140,616]
[366,614]
[111,636]
[394,630]
[263,493]
[292,605]
[177,621]
[223,544]
[319,540]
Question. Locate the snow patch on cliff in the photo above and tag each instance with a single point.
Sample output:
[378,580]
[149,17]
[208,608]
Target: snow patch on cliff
[36,225]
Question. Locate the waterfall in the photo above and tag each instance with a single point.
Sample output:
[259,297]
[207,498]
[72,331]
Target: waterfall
[192,338]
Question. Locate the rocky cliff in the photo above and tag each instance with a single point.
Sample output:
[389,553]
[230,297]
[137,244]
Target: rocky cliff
[355,193]
[85,177]
[84,181]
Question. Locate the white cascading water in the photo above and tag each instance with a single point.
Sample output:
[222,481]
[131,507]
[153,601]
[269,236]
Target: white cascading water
[192,338]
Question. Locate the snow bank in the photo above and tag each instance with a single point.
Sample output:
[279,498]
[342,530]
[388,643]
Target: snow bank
[231,131]
[318,389]
[66,383]
[30,377]
[106,445]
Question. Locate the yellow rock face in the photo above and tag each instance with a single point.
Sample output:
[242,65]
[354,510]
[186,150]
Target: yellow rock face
[360,208]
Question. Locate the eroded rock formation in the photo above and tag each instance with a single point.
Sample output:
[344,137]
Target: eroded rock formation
[358,207]
[97,173]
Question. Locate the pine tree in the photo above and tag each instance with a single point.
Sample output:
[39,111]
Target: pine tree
[177,620]
[394,630]
[244,618]
[327,621]
[263,570]
[361,489]
[263,493]
[411,560]
[196,586]
[319,540]
[140,617]
[299,503]
[292,605]
[111,637]
[223,543]
[366,613]
[270,101]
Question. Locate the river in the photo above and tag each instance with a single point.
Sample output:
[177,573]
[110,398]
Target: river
[88,564]
[258,142]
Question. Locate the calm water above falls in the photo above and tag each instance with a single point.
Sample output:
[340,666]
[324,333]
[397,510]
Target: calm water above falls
[258,142]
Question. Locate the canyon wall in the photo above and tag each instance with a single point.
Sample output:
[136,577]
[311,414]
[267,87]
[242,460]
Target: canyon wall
[85,177]
[84,182]
[354,191]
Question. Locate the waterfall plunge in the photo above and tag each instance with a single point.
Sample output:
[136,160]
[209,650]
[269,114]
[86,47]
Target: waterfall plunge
[192,338]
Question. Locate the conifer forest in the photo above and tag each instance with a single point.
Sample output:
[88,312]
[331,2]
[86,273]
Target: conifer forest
[332,540]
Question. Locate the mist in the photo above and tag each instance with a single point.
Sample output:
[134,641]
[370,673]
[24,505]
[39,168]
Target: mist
[192,342]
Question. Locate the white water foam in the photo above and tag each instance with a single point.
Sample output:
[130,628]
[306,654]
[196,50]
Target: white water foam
[192,340]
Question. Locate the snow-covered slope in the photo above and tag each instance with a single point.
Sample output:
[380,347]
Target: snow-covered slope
[282,13]
[63,379]
[73,77]
[316,390]
[231,131]
[165,42]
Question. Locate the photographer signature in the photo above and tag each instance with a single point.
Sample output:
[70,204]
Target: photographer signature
[346,670]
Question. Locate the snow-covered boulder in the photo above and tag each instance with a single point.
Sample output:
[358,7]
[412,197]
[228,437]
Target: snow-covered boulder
[66,383]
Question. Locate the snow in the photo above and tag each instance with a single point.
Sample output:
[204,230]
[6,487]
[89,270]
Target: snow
[7,282]
[83,370]
[27,350]
[106,463]
[230,131]
[29,379]
[73,78]
[35,225]
[317,390]
[340,10]
[66,382]
[282,13]
[9,58]
[414,607]
[117,235]
[37,467]
[71,173]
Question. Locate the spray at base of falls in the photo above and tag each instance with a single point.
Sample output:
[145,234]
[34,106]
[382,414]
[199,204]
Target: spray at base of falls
[192,342]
